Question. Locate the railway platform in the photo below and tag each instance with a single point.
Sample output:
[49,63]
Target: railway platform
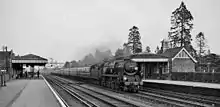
[207,89]
[29,93]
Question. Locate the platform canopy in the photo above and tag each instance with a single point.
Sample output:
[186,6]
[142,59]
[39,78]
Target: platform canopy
[148,57]
[29,59]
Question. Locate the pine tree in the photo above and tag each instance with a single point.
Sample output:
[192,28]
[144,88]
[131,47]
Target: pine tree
[181,25]
[148,49]
[126,50]
[67,64]
[201,43]
[134,42]
[157,50]
[119,52]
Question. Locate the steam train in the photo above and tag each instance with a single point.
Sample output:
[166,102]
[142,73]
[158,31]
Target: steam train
[118,74]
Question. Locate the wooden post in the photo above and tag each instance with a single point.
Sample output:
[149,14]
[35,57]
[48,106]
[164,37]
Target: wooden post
[144,70]
[169,70]
[158,69]
[1,73]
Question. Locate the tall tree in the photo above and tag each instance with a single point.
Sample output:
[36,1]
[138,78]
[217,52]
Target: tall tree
[134,42]
[157,50]
[67,64]
[148,49]
[181,26]
[74,63]
[201,43]
[119,52]
[126,49]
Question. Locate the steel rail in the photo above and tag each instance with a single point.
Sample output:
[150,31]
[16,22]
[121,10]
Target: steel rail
[102,94]
[83,100]
[203,99]
[171,100]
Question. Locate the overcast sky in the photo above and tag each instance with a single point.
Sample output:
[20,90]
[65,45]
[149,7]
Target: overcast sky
[70,29]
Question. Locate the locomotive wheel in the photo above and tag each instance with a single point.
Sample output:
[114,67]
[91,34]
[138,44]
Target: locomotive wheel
[124,88]
[103,83]
[135,89]
[116,86]
[100,82]
[108,84]
[112,85]
[121,87]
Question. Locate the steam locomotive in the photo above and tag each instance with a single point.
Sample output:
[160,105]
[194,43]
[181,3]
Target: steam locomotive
[118,74]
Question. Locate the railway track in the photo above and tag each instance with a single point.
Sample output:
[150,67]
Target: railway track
[170,101]
[195,99]
[175,99]
[100,97]
[75,95]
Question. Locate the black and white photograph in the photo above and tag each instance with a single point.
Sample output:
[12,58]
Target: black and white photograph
[109,53]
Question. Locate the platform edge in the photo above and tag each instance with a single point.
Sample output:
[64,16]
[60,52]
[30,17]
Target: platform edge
[58,97]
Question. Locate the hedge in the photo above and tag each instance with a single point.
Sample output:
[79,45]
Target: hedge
[196,76]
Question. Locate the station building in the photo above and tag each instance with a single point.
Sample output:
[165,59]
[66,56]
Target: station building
[180,60]
[161,66]
[27,61]
[11,65]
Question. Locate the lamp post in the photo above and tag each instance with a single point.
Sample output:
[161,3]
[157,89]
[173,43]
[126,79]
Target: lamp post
[6,67]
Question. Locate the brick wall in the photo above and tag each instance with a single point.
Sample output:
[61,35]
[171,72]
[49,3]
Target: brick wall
[183,65]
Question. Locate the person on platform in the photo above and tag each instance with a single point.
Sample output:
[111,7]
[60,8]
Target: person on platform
[21,74]
[38,73]
[26,74]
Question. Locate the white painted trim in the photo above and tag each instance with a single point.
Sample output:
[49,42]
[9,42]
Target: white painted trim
[186,53]
[58,97]
[182,58]
[29,61]
[178,56]
[185,83]
[150,60]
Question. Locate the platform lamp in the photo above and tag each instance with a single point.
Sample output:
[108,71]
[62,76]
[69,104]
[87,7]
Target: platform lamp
[6,65]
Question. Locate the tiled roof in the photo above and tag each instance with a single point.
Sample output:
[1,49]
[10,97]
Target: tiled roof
[171,52]
[29,57]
